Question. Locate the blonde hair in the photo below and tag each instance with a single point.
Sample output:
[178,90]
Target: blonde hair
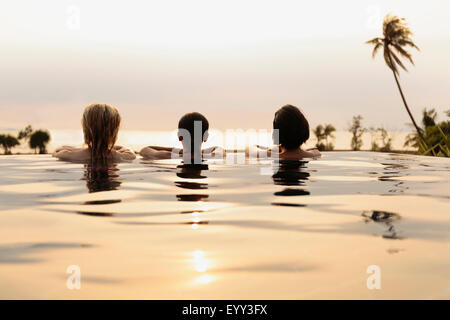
[101,124]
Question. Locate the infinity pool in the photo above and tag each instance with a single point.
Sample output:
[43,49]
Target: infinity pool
[158,230]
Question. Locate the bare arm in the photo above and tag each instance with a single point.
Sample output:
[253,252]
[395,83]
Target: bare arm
[151,153]
[68,148]
[158,148]
[314,152]
[258,151]
[214,152]
[67,153]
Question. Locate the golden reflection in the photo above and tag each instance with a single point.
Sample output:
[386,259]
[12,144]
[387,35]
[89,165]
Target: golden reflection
[201,265]
[200,262]
[205,279]
[189,172]
[194,226]
[203,206]
[195,222]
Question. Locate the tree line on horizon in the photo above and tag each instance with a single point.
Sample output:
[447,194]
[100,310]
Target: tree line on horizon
[435,134]
[380,139]
[36,139]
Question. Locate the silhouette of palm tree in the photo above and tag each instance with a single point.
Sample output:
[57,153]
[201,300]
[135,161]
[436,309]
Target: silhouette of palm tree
[324,132]
[357,131]
[429,117]
[319,132]
[396,36]
[328,133]
[25,133]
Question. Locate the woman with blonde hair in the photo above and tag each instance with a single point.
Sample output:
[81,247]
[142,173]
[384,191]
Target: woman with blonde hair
[101,124]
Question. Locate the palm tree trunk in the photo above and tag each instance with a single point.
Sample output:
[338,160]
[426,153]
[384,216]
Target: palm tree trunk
[406,105]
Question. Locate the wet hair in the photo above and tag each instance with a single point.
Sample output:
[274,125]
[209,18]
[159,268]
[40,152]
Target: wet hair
[187,123]
[293,128]
[101,124]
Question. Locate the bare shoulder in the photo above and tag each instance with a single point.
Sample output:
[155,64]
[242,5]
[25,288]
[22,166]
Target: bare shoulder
[123,154]
[311,153]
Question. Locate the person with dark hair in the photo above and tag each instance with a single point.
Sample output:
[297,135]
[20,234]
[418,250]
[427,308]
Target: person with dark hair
[291,131]
[192,132]
[193,126]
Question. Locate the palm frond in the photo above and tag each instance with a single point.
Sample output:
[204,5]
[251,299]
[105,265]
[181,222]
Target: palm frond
[398,61]
[374,41]
[376,48]
[388,62]
[402,52]
[408,42]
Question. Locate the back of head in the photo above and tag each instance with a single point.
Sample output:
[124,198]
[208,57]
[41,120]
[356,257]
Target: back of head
[188,122]
[101,124]
[293,128]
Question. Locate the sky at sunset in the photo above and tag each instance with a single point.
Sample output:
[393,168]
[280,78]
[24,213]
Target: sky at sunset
[234,61]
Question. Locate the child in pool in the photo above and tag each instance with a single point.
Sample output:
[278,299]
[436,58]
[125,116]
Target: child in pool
[101,124]
[192,132]
[293,131]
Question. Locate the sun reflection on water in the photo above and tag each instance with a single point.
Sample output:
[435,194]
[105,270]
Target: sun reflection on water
[201,265]
[205,279]
[200,262]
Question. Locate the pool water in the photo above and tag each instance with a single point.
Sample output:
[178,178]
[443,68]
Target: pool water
[158,230]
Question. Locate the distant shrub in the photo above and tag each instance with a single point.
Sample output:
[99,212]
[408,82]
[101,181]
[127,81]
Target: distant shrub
[39,140]
[436,135]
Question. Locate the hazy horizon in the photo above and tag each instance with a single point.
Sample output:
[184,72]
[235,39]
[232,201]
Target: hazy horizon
[235,62]
[228,139]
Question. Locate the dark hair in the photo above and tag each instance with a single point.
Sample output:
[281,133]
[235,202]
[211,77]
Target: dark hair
[293,128]
[187,122]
